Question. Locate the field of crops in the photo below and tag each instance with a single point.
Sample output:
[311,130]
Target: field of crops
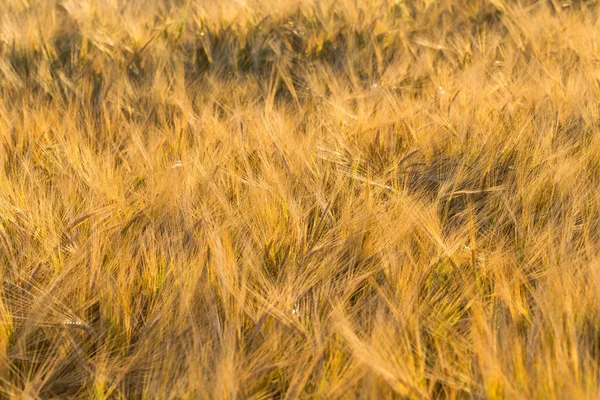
[314,199]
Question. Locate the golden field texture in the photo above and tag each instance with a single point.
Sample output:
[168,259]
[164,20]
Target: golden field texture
[299,199]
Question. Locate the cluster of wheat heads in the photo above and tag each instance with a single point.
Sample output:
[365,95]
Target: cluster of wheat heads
[314,199]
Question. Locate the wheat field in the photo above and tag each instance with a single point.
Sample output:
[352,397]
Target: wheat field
[314,199]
